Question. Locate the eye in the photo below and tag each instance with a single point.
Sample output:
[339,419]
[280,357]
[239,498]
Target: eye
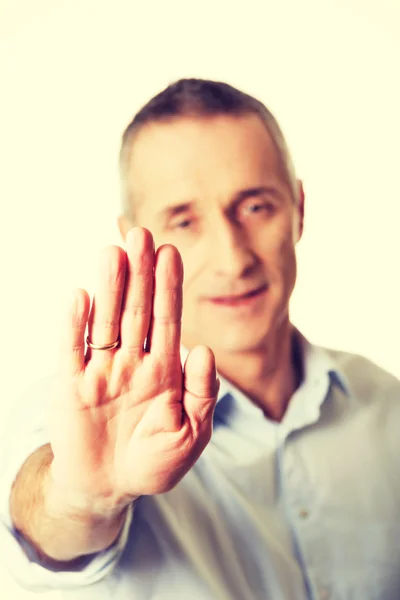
[183,223]
[257,207]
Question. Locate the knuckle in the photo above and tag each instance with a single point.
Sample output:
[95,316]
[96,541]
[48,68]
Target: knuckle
[115,280]
[164,355]
[167,319]
[141,270]
[78,320]
[109,324]
[139,310]
[133,349]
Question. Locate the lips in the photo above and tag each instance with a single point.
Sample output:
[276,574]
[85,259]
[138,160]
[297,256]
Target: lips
[237,299]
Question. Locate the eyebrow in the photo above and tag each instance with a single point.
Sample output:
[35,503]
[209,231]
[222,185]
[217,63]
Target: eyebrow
[177,209]
[252,192]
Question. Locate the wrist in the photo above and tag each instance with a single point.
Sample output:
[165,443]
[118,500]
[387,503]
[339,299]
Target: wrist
[61,501]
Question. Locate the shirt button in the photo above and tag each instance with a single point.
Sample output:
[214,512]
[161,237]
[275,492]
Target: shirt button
[303,513]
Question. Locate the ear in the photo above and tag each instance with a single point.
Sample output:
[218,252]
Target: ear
[300,208]
[124,225]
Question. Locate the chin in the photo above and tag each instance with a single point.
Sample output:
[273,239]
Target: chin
[237,341]
[253,334]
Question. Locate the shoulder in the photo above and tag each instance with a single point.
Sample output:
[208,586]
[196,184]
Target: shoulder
[365,378]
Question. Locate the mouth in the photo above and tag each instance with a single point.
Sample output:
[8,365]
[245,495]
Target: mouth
[239,300]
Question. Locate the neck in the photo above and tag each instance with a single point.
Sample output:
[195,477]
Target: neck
[269,374]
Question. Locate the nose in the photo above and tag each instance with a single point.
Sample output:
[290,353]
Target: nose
[230,252]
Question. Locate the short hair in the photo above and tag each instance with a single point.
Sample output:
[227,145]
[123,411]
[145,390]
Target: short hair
[200,98]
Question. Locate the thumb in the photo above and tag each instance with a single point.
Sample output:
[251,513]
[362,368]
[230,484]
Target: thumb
[201,384]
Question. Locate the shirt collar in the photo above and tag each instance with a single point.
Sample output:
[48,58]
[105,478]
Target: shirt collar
[317,361]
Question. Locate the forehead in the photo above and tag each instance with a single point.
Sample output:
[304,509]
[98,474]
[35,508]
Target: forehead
[209,158]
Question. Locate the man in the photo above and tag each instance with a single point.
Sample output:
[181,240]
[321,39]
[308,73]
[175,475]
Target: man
[145,485]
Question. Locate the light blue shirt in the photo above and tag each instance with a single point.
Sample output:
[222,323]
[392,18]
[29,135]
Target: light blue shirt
[308,508]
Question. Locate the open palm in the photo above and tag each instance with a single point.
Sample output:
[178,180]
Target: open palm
[130,421]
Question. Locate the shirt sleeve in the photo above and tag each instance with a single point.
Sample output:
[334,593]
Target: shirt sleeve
[25,429]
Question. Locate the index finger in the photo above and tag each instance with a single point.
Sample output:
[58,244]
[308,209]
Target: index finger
[165,334]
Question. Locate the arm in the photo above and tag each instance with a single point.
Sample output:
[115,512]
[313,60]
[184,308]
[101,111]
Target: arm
[58,532]
[124,422]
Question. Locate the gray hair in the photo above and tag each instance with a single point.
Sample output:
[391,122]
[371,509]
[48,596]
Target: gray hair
[200,98]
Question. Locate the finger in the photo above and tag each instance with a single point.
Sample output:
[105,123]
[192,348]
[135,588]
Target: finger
[165,334]
[137,303]
[201,384]
[104,317]
[73,348]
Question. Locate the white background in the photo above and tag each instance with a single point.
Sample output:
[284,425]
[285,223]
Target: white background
[74,73]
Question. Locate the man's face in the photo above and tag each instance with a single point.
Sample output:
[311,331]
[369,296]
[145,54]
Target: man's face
[214,188]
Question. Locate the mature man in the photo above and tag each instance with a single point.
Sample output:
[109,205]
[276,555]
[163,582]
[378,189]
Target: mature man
[144,485]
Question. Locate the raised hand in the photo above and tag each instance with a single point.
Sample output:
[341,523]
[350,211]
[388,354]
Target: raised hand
[129,421]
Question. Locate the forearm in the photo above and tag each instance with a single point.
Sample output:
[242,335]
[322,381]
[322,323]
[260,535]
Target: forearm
[39,512]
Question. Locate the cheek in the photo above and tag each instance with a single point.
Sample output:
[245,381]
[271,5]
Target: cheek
[279,250]
[195,264]
[287,247]
[279,242]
